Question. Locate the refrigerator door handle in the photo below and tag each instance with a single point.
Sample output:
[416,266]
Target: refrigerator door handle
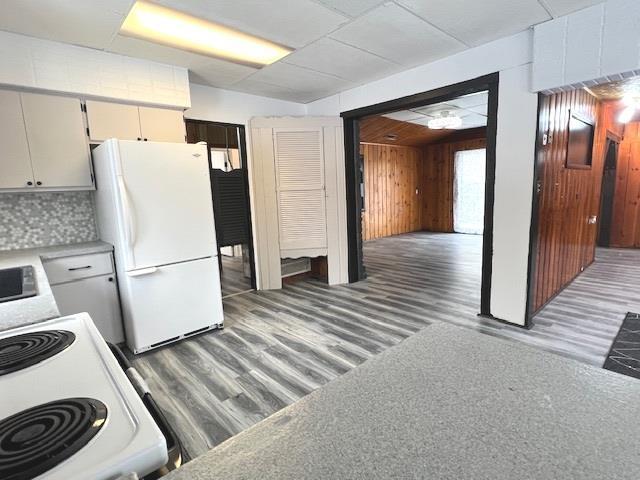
[142,271]
[131,224]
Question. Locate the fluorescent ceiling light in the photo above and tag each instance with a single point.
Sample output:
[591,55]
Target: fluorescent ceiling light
[176,29]
[445,120]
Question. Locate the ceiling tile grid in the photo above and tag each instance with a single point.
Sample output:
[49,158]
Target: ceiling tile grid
[471,108]
[338,44]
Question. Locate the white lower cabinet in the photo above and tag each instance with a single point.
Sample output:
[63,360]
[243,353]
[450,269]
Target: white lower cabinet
[84,291]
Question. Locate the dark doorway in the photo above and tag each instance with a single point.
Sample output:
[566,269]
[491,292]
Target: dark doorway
[607,193]
[230,191]
[353,173]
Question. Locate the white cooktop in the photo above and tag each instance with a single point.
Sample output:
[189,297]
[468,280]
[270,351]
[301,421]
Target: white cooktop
[129,441]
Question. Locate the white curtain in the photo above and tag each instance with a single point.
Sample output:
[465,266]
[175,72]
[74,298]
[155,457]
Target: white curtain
[468,191]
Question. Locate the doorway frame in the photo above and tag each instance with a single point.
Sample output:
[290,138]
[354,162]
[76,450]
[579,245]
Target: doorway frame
[351,120]
[242,144]
[610,140]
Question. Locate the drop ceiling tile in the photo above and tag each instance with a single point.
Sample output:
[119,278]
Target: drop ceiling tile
[219,73]
[134,47]
[255,87]
[335,58]
[467,101]
[557,8]
[437,109]
[404,116]
[353,8]
[309,83]
[423,120]
[480,109]
[392,32]
[90,23]
[474,121]
[291,23]
[478,22]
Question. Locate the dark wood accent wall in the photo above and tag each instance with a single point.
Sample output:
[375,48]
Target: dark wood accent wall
[625,227]
[568,197]
[437,182]
[392,175]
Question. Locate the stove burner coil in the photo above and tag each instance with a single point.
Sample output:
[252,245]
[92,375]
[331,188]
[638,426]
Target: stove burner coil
[22,351]
[37,439]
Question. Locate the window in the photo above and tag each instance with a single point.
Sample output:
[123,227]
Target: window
[468,191]
[580,143]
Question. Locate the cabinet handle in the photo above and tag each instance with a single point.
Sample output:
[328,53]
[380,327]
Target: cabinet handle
[73,269]
[38,183]
[110,279]
[146,139]
[139,138]
[29,183]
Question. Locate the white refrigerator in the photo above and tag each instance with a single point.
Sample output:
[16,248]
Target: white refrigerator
[153,203]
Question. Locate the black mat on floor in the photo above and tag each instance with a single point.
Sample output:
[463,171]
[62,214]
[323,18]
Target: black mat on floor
[624,356]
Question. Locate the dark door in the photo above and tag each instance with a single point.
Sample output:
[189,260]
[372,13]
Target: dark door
[229,187]
[607,193]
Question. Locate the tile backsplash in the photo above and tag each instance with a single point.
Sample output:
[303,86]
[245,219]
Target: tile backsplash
[42,219]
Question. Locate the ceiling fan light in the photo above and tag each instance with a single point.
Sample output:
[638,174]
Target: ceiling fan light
[627,114]
[445,121]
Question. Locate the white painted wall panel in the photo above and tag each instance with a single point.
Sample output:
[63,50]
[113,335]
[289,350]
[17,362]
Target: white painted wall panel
[583,43]
[515,146]
[621,37]
[548,49]
[600,44]
[43,64]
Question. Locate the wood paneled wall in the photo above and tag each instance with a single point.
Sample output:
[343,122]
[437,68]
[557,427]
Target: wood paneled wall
[625,227]
[437,183]
[392,175]
[569,197]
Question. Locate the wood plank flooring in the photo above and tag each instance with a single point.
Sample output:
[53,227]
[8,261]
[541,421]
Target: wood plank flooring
[278,346]
[586,316]
[232,278]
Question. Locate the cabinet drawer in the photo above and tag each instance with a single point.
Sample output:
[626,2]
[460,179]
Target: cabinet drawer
[66,269]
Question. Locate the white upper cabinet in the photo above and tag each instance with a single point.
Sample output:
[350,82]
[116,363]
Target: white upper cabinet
[130,122]
[15,162]
[57,141]
[113,120]
[162,125]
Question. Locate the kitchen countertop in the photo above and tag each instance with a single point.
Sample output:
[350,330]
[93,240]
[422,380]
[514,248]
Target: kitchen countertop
[447,403]
[42,306]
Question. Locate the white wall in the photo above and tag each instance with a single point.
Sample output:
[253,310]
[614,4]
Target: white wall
[218,105]
[589,46]
[517,120]
[34,63]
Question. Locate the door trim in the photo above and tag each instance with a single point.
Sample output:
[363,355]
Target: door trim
[351,144]
[242,144]
[535,218]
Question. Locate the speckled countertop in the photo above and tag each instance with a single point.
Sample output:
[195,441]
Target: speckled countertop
[42,306]
[447,403]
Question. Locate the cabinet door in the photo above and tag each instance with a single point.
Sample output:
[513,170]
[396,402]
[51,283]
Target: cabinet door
[162,125]
[57,141]
[98,296]
[15,163]
[113,120]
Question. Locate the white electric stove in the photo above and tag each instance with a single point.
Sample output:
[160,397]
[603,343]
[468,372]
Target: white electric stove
[67,408]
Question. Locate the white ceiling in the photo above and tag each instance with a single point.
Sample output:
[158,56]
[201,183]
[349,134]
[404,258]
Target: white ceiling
[339,43]
[471,108]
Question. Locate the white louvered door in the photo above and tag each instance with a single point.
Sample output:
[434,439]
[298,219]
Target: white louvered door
[300,186]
